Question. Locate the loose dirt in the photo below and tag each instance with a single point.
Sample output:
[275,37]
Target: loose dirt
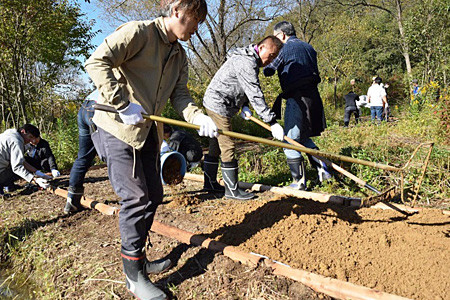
[406,255]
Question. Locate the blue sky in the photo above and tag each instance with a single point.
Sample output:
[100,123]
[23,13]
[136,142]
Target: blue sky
[93,13]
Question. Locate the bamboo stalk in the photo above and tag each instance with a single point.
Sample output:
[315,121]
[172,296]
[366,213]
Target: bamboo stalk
[320,197]
[86,202]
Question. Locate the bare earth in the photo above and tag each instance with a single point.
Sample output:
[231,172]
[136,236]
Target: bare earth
[386,250]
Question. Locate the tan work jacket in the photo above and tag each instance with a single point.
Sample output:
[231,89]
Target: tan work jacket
[138,64]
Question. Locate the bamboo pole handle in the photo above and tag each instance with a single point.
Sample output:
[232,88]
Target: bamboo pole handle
[260,140]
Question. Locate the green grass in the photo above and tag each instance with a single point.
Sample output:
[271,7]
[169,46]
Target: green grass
[389,143]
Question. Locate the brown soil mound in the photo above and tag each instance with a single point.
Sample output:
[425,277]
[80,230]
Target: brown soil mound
[385,250]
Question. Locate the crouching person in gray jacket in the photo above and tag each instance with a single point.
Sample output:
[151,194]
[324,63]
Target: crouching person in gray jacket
[12,161]
[232,88]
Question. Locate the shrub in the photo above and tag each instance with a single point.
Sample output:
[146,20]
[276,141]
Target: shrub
[63,140]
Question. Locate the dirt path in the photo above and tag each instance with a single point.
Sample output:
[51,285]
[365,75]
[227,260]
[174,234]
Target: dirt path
[403,255]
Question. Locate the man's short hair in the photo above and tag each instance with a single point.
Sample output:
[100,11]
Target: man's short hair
[285,27]
[195,8]
[378,80]
[275,41]
[31,129]
[415,81]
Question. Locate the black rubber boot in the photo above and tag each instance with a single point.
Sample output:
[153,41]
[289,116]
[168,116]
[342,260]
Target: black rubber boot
[73,204]
[230,177]
[297,167]
[210,167]
[323,172]
[136,277]
[157,266]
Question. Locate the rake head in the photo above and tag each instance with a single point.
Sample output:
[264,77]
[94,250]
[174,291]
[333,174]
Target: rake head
[385,196]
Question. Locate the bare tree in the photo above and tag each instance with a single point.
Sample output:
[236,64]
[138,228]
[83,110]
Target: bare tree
[229,24]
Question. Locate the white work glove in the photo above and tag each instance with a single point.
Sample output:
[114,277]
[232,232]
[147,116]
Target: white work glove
[207,126]
[164,147]
[246,113]
[277,131]
[132,114]
[55,173]
[42,182]
[42,175]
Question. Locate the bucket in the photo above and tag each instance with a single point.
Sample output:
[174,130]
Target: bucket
[173,167]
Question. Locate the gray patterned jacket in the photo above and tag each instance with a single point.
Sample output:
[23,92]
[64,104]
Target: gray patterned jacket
[237,83]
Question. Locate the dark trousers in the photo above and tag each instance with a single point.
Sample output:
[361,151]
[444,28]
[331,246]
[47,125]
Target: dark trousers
[7,177]
[86,149]
[349,110]
[135,177]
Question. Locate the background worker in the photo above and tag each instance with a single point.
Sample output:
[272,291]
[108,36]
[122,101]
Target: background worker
[86,154]
[376,97]
[304,117]
[351,108]
[41,157]
[415,88]
[234,85]
[386,108]
[136,70]
[12,161]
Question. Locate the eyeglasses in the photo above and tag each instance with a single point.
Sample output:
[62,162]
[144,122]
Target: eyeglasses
[278,33]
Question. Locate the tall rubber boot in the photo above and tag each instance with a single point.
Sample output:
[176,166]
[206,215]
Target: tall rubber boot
[157,266]
[297,167]
[210,167]
[136,277]
[230,177]
[73,204]
[323,173]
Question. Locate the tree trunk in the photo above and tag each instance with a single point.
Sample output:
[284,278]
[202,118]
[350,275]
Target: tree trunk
[335,89]
[404,42]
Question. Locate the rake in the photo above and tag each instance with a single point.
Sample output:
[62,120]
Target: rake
[384,196]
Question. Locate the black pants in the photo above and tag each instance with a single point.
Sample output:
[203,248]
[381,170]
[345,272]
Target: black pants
[349,110]
[7,177]
[135,177]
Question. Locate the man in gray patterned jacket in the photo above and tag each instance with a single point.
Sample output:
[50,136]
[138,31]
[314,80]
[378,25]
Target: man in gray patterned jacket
[232,88]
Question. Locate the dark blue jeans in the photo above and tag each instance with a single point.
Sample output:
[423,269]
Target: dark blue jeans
[293,126]
[86,150]
[376,111]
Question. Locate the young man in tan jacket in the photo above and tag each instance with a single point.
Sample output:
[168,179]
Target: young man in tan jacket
[136,70]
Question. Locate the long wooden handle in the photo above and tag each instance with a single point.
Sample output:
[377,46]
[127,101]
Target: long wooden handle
[251,138]
[333,165]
